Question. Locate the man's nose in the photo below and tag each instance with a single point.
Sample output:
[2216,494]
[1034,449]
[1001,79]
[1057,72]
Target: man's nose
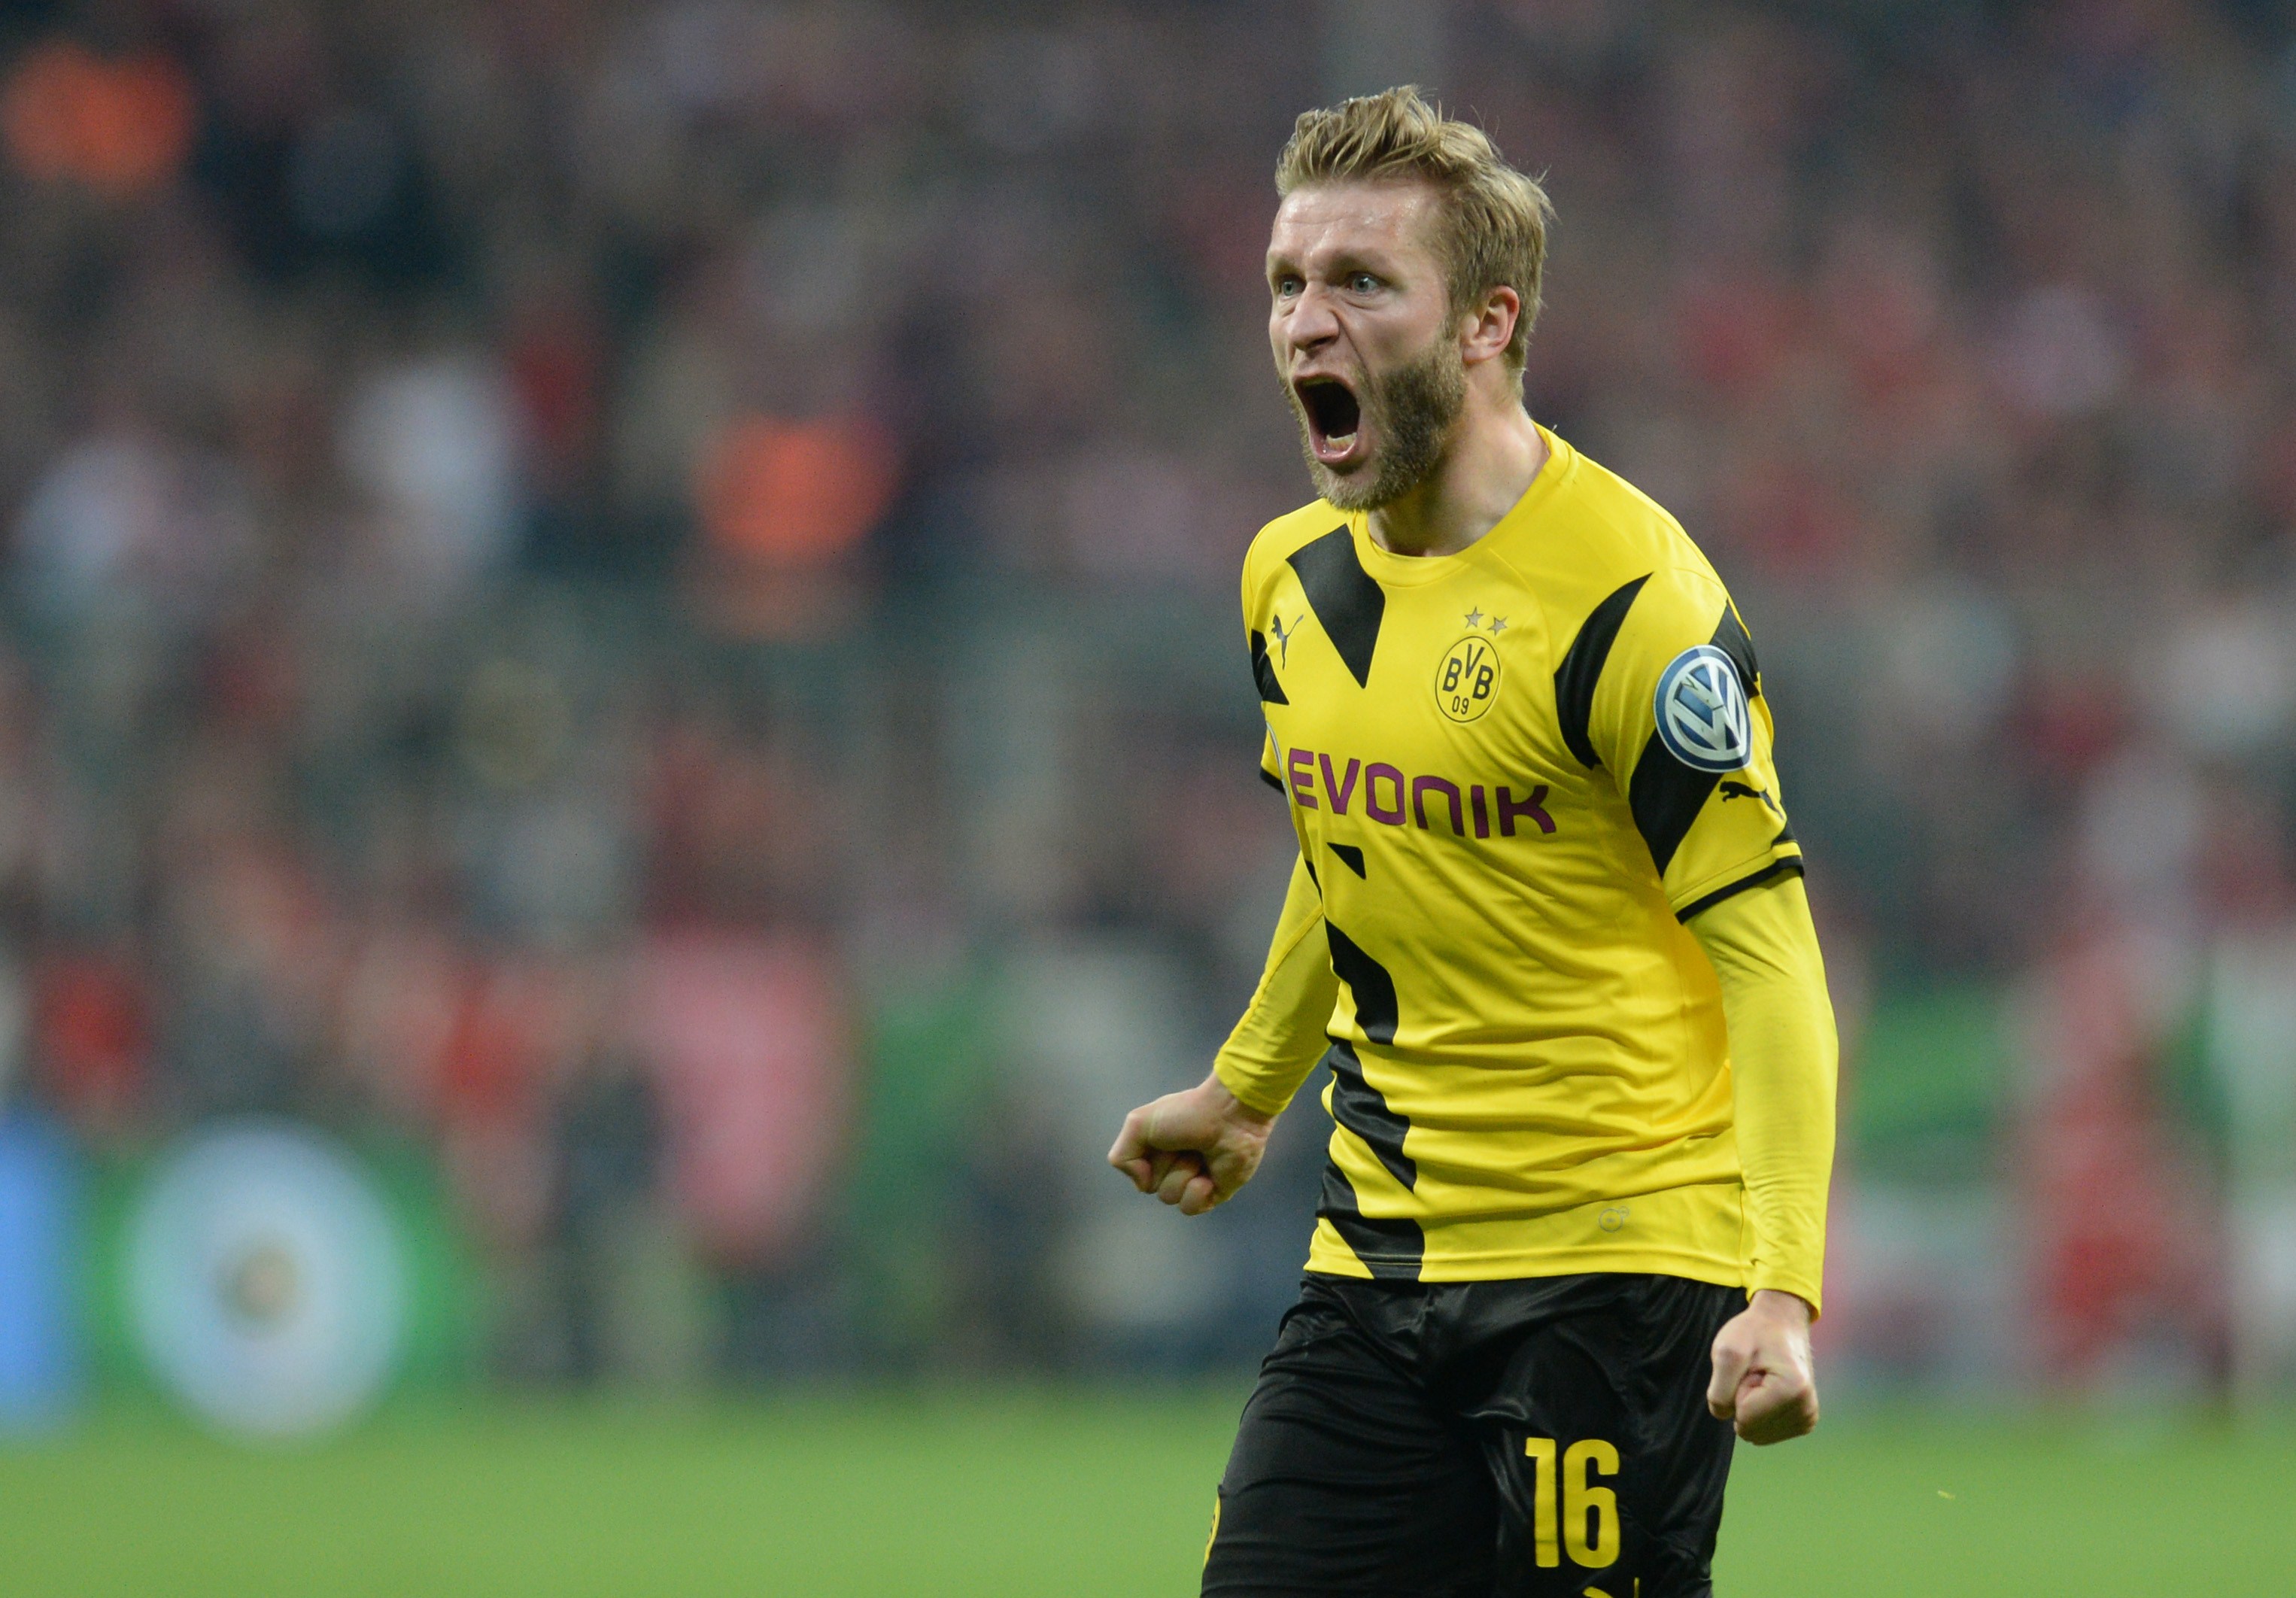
[1314,322]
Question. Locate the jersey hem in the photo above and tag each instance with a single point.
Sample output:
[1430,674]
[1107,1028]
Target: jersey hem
[1699,1231]
[1532,1263]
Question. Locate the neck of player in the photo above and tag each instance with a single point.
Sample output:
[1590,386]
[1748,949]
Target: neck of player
[1495,451]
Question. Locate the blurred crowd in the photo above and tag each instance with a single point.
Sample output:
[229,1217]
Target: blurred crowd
[641,595]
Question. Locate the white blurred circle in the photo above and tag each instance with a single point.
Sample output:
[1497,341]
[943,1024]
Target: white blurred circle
[265,1282]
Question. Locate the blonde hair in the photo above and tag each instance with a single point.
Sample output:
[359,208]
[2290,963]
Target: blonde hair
[1496,218]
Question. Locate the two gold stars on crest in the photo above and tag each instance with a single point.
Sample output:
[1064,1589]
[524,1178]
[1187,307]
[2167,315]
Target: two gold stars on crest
[1475,619]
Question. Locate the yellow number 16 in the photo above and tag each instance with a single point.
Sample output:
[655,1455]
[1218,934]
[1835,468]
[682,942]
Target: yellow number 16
[1580,1502]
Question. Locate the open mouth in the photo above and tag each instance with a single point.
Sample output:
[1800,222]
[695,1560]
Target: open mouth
[1334,417]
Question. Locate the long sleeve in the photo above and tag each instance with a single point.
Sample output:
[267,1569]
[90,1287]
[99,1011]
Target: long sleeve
[1783,1059]
[1281,1035]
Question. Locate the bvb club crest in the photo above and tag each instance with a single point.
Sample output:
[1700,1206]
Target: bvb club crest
[1467,680]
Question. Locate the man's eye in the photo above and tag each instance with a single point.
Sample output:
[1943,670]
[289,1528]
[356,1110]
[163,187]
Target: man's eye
[1362,282]
[1287,285]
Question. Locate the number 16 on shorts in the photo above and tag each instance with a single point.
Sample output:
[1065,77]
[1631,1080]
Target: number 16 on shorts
[1575,1516]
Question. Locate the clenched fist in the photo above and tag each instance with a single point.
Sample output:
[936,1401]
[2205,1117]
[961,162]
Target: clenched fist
[1191,1149]
[1763,1378]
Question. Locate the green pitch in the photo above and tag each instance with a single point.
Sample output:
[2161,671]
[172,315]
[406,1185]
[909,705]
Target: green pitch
[1040,1496]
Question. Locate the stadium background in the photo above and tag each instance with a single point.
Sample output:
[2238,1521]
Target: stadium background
[627,610]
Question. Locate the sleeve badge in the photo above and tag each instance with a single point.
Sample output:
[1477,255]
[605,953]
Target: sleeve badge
[1702,712]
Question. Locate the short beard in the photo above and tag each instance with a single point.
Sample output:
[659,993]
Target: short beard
[1412,412]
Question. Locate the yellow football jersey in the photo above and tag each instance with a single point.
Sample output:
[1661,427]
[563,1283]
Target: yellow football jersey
[1515,773]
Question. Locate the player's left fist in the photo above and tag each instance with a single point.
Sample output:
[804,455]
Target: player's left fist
[1764,1382]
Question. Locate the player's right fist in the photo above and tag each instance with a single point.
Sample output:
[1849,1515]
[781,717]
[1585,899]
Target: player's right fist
[1191,1149]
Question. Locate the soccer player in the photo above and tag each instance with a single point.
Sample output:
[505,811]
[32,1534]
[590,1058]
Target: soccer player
[1548,930]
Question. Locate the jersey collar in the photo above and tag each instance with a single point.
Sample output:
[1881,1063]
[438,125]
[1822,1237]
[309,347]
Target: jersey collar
[1395,571]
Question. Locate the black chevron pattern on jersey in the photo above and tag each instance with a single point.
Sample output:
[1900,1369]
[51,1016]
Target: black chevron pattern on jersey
[1361,1109]
[1666,796]
[1368,980]
[1731,637]
[1346,600]
[1582,668]
[1349,857]
[1386,1247]
[1389,1247]
[1263,672]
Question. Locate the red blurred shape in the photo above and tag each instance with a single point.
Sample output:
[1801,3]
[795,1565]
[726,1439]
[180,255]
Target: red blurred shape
[2070,724]
[2116,1216]
[118,127]
[555,368]
[794,493]
[500,1044]
[1782,513]
[748,1037]
[1735,335]
[91,1017]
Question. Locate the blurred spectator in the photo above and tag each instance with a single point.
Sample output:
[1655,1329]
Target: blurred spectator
[127,516]
[434,441]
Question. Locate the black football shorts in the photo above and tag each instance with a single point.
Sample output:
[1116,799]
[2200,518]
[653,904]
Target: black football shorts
[1532,1438]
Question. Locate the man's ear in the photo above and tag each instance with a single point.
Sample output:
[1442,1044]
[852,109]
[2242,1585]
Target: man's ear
[1489,327]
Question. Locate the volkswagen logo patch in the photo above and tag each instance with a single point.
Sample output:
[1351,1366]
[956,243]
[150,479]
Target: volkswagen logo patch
[1702,711]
